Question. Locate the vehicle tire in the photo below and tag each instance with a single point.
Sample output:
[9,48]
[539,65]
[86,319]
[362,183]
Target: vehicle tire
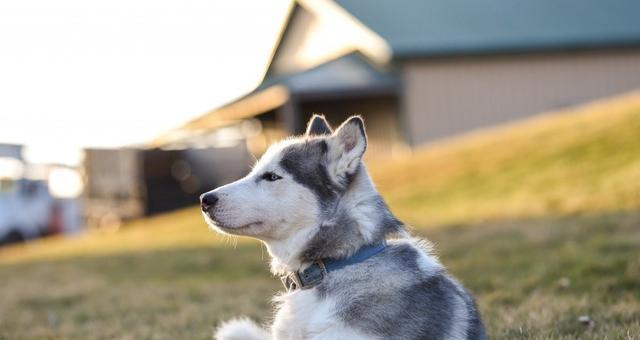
[14,236]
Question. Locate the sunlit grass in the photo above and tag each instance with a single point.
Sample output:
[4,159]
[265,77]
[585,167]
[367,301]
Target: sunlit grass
[584,160]
[533,279]
[180,229]
[543,222]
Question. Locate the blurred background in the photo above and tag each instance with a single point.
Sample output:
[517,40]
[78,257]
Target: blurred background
[508,132]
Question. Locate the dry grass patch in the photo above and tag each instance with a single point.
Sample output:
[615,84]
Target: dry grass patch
[582,160]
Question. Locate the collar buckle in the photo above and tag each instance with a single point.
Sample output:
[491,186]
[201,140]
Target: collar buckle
[305,279]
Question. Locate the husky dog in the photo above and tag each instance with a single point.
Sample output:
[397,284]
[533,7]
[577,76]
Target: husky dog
[311,201]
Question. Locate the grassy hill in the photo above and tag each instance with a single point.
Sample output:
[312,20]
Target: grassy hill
[584,160]
[539,219]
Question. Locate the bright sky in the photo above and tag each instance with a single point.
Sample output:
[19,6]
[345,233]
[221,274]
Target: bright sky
[120,72]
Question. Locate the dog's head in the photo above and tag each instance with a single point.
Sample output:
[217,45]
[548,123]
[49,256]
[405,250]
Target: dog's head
[293,187]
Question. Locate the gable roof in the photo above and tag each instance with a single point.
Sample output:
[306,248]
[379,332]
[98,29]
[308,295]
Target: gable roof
[432,28]
[451,27]
[350,73]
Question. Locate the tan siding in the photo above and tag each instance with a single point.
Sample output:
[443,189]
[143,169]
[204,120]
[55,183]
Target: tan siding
[450,96]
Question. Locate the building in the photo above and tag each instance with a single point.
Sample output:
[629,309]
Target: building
[419,70]
[126,183]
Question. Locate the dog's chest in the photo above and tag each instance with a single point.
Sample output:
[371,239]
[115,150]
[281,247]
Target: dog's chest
[303,315]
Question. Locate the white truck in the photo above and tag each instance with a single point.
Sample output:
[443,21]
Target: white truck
[28,210]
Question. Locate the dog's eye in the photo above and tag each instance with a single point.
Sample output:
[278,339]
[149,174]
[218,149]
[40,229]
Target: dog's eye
[270,176]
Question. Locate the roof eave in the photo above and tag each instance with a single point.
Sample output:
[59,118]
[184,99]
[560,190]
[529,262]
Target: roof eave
[400,54]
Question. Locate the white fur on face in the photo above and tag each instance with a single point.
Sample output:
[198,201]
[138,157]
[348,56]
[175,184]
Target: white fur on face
[286,213]
[253,206]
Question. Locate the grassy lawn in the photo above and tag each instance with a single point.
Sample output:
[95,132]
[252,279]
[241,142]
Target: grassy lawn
[584,160]
[540,220]
[533,279]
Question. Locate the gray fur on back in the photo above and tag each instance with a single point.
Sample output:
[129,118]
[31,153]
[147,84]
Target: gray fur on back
[392,297]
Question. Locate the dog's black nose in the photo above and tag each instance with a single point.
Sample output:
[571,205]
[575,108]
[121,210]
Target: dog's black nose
[208,200]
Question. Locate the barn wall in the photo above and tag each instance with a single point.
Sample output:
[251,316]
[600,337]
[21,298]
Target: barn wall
[451,96]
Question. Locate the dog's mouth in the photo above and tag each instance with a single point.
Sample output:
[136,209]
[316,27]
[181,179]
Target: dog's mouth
[236,227]
[230,227]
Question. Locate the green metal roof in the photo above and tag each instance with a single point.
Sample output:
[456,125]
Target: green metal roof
[346,74]
[451,27]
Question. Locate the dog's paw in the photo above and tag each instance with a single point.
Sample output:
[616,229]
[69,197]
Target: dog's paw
[240,329]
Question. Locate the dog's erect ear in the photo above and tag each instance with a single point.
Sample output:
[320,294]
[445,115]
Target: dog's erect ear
[318,126]
[350,142]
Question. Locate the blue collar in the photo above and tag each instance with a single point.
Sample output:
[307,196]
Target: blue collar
[315,273]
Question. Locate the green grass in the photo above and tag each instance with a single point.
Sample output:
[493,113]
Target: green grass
[533,279]
[585,160]
[540,220]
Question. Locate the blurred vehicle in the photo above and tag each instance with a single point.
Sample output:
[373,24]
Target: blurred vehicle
[35,199]
[27,210]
